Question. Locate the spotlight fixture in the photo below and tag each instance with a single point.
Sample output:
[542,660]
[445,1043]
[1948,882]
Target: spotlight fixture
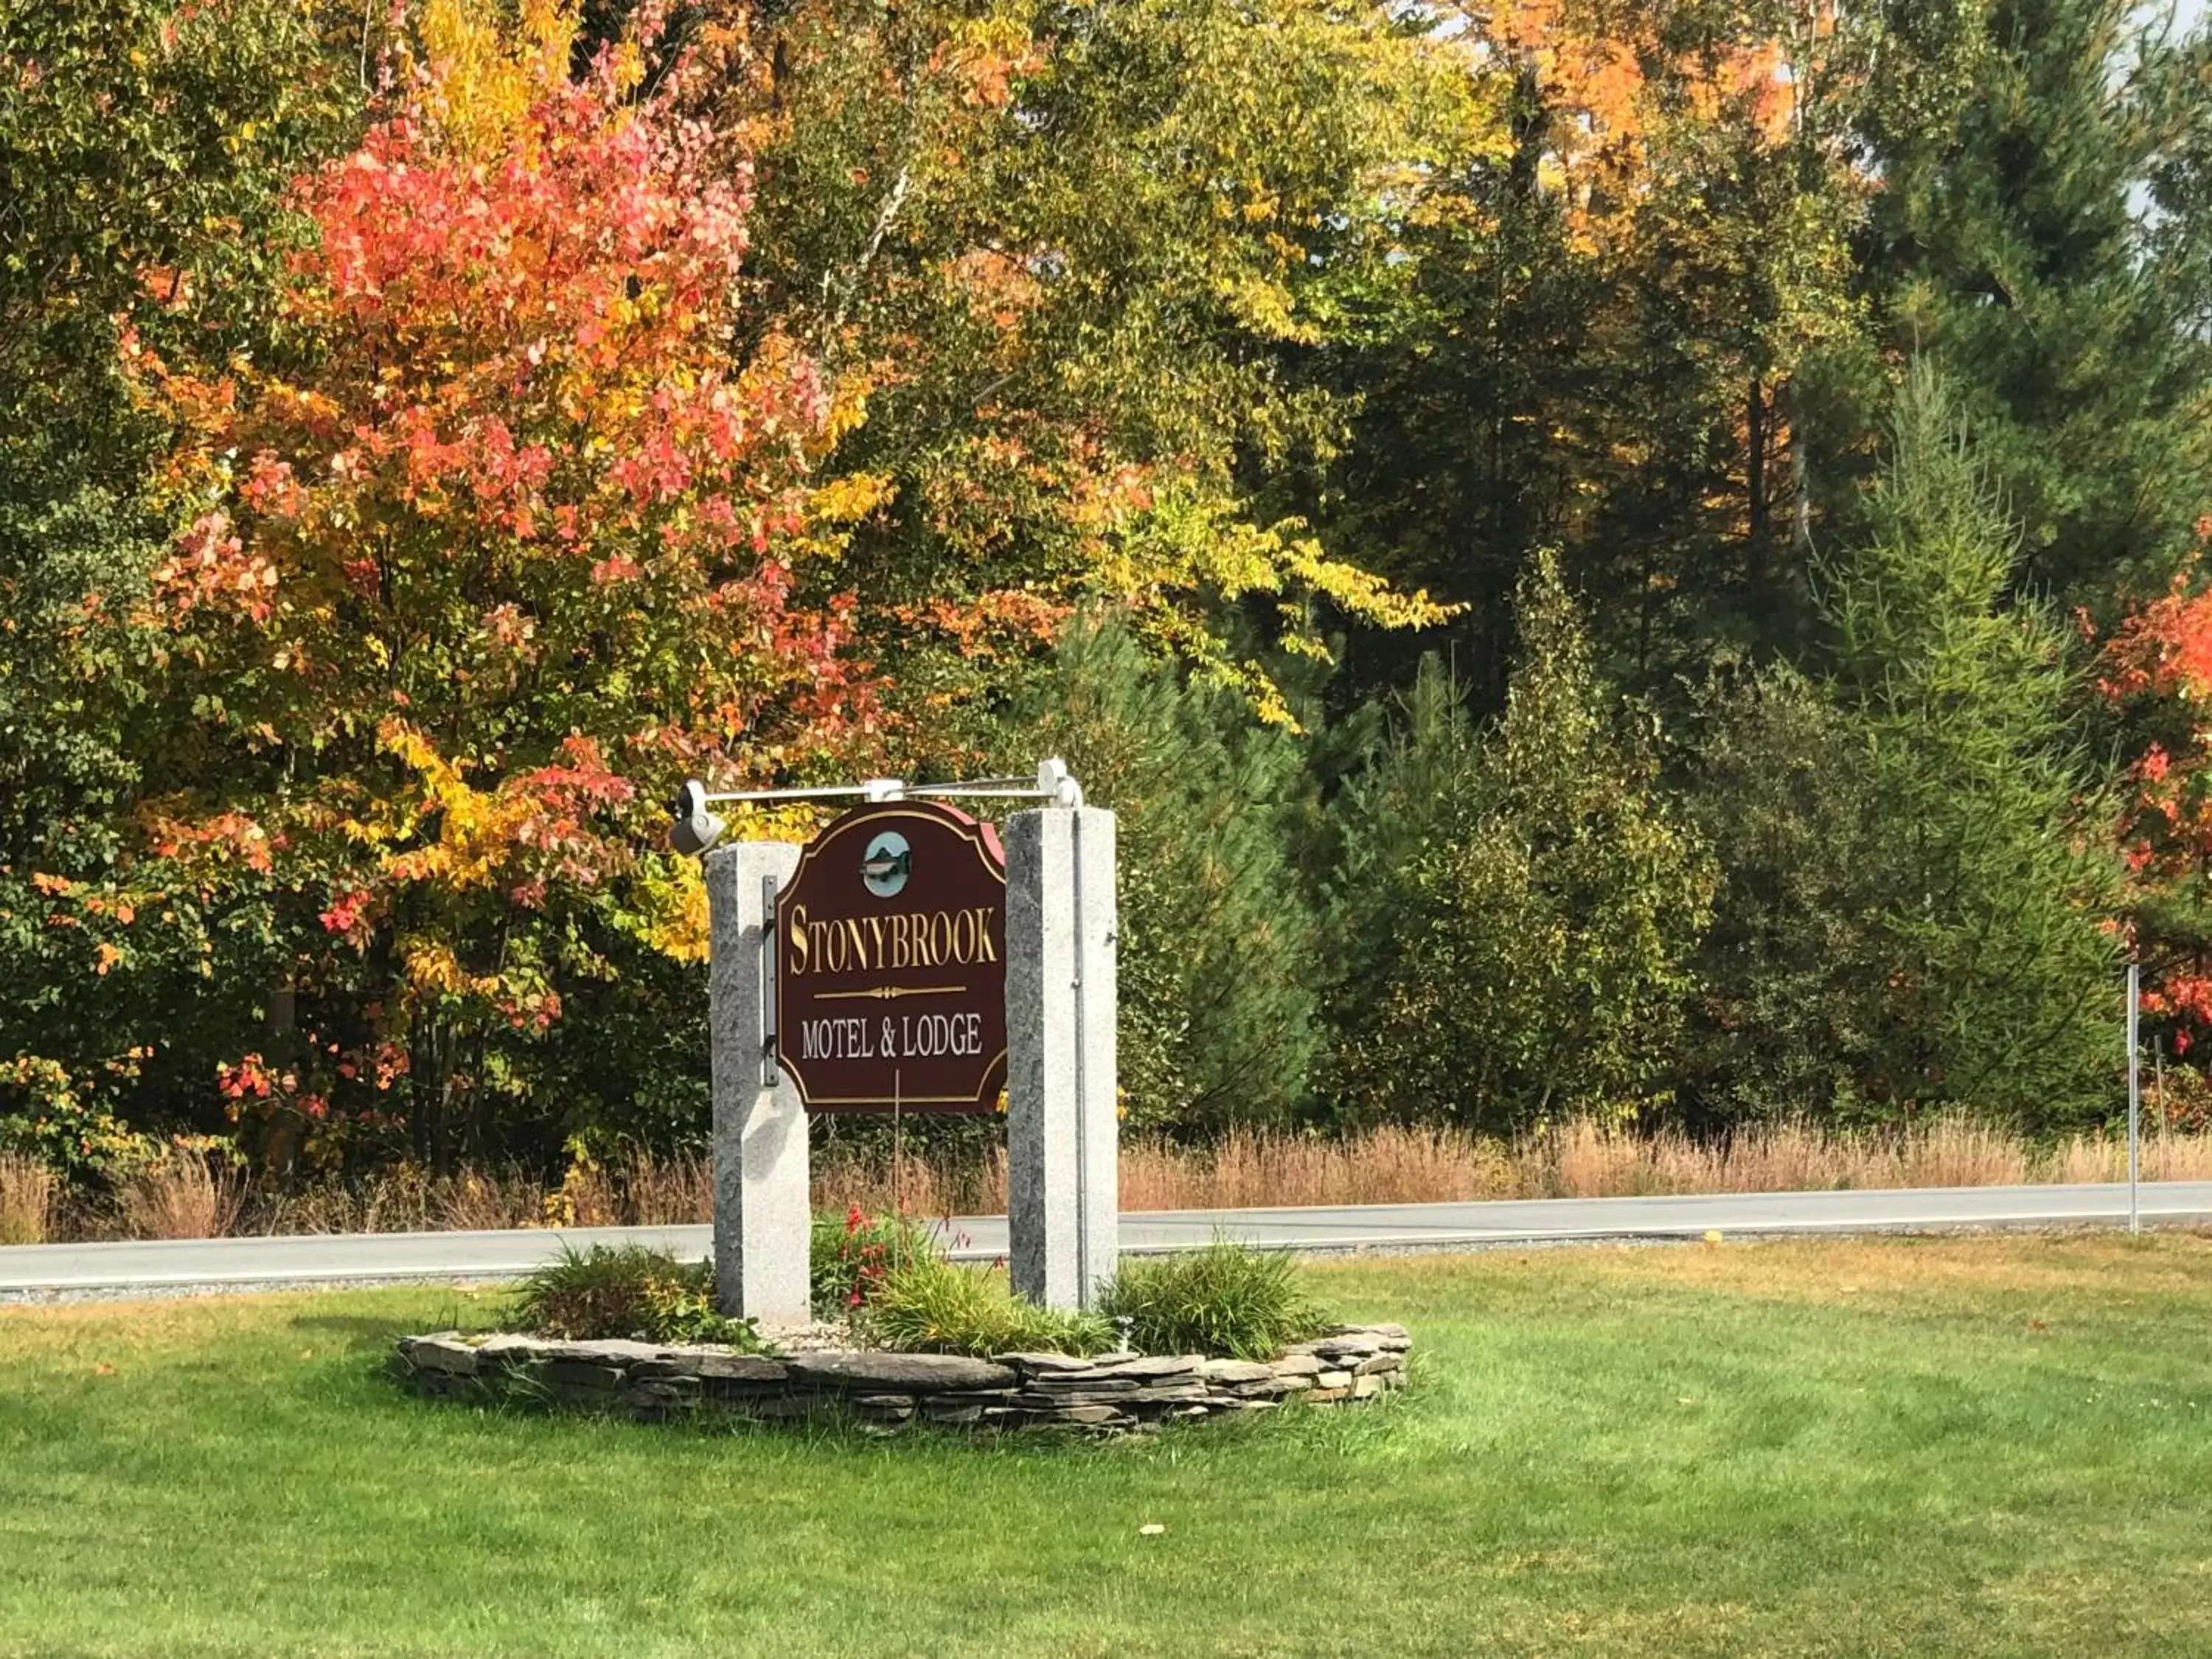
[694,826]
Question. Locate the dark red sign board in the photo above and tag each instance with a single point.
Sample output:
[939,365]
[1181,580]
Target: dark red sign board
[890,963]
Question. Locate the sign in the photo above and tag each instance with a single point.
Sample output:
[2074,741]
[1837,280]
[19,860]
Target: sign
[890,963]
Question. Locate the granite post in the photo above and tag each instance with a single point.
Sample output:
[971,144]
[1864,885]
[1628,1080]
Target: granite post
[763,1218]
[1062,1129]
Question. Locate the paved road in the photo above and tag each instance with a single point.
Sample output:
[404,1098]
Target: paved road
[46,1269]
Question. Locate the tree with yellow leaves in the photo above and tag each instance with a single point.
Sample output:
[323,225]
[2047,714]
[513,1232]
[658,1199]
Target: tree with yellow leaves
[1059,261]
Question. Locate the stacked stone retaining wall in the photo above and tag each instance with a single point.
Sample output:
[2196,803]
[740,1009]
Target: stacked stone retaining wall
[1109,1393]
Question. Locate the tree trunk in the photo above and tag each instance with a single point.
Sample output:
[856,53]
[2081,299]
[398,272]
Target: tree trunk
[1754,555]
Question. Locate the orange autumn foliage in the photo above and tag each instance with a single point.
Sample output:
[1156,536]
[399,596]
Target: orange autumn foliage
[510,542]
[2157,667]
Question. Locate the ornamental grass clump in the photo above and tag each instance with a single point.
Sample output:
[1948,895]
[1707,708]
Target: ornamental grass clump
[1227,1299]
[629,1291]
[927,1304]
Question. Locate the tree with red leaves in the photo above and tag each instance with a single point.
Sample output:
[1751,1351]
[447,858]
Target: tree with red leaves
[508,531]
[2156,673]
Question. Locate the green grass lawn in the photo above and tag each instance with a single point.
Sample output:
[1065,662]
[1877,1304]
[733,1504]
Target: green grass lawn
[1969,1447]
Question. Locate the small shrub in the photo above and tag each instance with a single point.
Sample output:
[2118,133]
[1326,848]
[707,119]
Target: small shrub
[27,1199]
[1227,1299]
[927,1304]
[629,1291]
[682,1310]
[849,1257]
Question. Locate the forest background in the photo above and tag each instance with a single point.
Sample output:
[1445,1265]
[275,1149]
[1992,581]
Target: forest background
[1634,561]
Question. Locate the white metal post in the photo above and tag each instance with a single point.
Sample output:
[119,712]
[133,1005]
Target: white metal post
[2135,1099]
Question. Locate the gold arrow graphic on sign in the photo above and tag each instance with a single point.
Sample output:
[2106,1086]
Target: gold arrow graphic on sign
[889,993]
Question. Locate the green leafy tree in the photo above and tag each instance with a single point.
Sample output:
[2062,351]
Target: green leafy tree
[1997,870]
[1514,907]
[1216,935]
[145,149]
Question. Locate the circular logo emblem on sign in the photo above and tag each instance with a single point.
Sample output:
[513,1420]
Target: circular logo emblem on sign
[889,861]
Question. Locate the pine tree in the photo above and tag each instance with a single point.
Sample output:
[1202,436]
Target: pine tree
[1794,974]
[2016,143]
[1217,936]
[1513,907]
[1997,874]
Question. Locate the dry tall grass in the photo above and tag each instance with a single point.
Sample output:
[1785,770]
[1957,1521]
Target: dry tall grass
[407,1201]
[641,1190]
[1395,1165]
[27,1199]
[1257,1169]
[919,1185]
[667,1192]
[186,1196]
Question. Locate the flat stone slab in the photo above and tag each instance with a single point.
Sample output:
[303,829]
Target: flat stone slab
[877,1373]
[581,1374]
[1275,1387]
[1236,1370]
[1083,1382]
[615,1351]
[1355,1342]
[1146,1368]
[1044,1361]
[441,1353]
[495,1351]
[722,1367]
